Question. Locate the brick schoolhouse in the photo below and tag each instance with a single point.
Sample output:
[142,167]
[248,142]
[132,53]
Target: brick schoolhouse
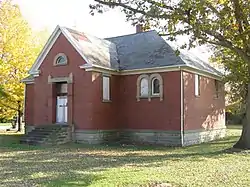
[131,88]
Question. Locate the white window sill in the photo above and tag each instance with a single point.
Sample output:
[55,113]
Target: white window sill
[106,101]
[143,97]
[155,96]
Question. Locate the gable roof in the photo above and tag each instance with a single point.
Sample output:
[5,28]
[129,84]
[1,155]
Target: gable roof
[138,51]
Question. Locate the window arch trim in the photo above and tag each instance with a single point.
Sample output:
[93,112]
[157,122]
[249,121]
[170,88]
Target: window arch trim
[138,85]
[151,79]
[153,92]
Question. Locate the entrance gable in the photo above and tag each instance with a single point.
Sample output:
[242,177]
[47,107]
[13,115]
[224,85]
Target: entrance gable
[58,34]
[61,60]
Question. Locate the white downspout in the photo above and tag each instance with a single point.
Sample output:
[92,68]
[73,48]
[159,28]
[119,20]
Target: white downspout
[182,110]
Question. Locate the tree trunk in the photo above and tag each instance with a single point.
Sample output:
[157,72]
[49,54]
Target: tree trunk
[19,121]
[244,141]
[19,114]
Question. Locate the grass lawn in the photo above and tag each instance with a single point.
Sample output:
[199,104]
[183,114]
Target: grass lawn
[5,124]
[205,165]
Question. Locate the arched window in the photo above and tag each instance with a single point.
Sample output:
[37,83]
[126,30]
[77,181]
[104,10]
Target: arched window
[155,86]
[144,87]
[60,59]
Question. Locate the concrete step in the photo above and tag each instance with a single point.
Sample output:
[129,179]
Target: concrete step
[47,134]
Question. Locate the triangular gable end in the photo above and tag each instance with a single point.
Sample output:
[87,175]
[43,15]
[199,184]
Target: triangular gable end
[52,39]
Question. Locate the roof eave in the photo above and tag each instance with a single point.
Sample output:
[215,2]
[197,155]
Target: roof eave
[92,67]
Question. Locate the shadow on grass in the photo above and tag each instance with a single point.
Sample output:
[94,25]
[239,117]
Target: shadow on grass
[80,165]
[238,127]
[7,139]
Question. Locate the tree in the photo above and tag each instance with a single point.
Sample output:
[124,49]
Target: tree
[221,23]
[18,50]
[237,76]
[2,93]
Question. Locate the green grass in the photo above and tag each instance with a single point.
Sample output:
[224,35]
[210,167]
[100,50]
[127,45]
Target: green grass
[205,165]
[5,124]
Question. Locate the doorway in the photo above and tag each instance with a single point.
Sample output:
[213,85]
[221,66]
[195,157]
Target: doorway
[61,103]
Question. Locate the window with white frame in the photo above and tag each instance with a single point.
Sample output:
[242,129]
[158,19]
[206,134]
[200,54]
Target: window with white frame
[197,85]
[144,87]
[106,88]
[155,86]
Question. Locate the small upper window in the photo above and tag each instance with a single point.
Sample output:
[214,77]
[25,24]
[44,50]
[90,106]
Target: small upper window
[216,83]
[155,86]
[106,88]
[60,59]
[144,87]
[197,85]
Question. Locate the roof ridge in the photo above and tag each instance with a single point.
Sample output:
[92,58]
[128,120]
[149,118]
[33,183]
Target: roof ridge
[129,34]
[87,34]
[105,38]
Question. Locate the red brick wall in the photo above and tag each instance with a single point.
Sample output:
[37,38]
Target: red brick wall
[154,114]
[29,104]
[105,114]
[205,111]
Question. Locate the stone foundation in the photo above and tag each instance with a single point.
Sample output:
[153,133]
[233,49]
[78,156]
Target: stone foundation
[167,138]
[96,136]
[146,137]
[199,136]
[149,137]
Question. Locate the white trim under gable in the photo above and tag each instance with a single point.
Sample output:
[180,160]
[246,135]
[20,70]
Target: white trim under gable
[96,68]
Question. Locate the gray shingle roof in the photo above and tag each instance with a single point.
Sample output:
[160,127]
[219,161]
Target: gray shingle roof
[97,51]
[144,50]
[135,51]
[195,62]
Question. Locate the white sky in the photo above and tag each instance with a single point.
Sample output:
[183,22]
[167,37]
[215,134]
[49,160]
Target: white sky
[75,14]
[70,13]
